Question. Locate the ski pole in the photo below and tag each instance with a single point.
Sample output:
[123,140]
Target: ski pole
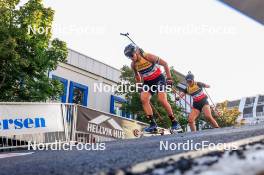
[157,112]
[218,113]
[175,91]
[127,35]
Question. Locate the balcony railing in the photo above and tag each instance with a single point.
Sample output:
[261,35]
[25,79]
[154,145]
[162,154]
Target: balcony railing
[260,114]
[247,115]
[260,102]
[249,104]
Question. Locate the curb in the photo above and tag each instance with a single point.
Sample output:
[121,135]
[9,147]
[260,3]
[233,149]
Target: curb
[143,166]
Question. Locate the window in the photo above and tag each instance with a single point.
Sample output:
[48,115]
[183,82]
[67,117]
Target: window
[78,94]
[65,85]
[260,108]
[248,112]
[232,104]
[116,106]
[260,111]
[261,99]
[250,101]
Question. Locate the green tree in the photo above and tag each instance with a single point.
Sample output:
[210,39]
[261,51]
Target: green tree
[134,105]
[226,117]
[27,56]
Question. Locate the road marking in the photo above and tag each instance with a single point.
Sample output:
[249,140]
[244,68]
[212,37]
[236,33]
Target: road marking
[7,155]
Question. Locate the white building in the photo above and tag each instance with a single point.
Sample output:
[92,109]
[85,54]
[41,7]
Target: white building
[80,74]
[251,108]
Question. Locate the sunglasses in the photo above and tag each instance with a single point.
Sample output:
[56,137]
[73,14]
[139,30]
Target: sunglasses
[130,55]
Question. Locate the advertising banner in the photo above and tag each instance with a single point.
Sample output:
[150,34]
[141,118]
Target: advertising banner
[17,119]
[98,123]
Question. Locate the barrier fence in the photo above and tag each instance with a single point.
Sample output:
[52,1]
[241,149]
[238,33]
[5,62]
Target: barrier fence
[43,123]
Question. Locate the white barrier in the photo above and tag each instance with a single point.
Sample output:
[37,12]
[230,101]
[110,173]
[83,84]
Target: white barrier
[21,123]
[18,119]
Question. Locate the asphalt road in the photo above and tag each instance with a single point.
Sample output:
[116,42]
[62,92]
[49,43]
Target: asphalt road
[118,154]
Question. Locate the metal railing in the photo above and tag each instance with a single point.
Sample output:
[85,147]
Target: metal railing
[249,105]
[248,115]
[259,114]
[69,134]
[82,137]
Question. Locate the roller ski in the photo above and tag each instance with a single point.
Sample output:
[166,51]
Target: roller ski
[153,129]
[175,128]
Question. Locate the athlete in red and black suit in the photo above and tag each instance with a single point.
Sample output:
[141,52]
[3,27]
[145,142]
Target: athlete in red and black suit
[200,102]
[147,70]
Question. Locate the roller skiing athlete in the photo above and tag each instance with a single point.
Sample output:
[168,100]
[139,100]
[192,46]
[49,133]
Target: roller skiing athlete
[147,71]
[200,101]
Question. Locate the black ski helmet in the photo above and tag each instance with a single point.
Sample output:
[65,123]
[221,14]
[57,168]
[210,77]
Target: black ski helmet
[130,49]
[189,76]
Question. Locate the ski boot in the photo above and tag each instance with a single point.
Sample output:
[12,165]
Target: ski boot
[152,128]
[175,127]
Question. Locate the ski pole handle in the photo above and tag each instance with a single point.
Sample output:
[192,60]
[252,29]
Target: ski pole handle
[127,35]
[124,34]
